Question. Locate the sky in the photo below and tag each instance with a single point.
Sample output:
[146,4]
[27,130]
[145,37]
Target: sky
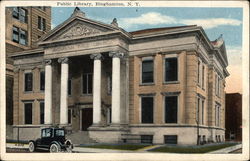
[215,21]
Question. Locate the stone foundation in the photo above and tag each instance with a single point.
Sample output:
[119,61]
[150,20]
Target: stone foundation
[186,135]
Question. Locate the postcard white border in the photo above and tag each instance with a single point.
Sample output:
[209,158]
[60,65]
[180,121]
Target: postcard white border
[133,156]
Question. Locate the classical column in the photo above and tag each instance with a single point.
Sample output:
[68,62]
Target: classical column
[48,93]
[64,91]
[116,95]
[97,88]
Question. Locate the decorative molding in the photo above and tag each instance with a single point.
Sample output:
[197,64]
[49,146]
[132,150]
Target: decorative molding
[47,61]
[171,93]
[116,54]
[63,60]
[16,69]
[96,56]
[79,30]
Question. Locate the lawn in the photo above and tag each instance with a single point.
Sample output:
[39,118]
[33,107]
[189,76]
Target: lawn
[116,146]
[192,149]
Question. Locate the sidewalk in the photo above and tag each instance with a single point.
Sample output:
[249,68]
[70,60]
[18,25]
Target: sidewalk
[226,150]
[142,150]
[16,145]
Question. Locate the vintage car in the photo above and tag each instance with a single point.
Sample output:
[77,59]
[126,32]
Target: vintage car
[52,139]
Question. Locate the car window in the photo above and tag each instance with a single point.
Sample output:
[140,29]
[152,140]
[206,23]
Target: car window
[43,133]
[59,132]
[46,133]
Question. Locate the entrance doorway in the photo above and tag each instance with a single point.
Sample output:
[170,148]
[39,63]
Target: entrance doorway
[87,118]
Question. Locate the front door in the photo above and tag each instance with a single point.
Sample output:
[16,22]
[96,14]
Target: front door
[87,118]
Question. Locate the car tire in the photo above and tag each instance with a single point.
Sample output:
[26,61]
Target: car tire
[32,146]
[54,148]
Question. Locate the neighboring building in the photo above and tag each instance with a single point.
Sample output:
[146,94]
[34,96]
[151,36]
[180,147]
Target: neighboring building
[24,26]
[162,85]
[234,116]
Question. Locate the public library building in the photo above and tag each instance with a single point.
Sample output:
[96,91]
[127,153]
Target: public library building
[161,85]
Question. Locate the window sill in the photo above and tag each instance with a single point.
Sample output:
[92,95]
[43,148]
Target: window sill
[41,30]
[172,82]
[84,95]
[28,92]
[147,84]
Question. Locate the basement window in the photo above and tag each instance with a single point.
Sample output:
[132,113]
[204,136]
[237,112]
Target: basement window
[147,139]
[170,139]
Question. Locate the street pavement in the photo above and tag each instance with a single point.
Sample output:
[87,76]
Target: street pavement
[23,148]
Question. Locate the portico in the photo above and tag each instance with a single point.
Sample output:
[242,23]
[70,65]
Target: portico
[97,87]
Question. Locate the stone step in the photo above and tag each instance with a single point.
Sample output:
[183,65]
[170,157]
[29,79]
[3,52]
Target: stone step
[80,137]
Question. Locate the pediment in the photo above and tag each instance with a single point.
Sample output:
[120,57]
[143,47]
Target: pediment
[77,28]
[80,30]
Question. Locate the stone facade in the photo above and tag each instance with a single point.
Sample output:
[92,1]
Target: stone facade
[33,34]
[111,111]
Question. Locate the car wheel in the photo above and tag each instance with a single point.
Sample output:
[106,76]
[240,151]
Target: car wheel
[54,148]
[32,147]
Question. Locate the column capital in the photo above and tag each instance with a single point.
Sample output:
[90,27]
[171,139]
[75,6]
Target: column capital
[115,54]
[47,61]
[96,56]
[63,60]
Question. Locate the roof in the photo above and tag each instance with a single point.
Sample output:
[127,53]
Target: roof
[144,31]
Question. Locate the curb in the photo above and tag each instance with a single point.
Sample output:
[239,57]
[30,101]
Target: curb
[226,150]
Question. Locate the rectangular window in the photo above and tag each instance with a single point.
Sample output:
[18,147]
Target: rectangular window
[198,111]
[23,37]
[170,139]
[171,69]
[15,34]
[15,12]
[171,109]
[20,14]
[198,77]
[147,71]
[28,82]
[147,109]
[27,113]
[69,86]
[42,8]
[87,83]
[203,76]
[19,36]
[41,23]
[217,115]
[216,83]
[202,112]
[147,139]
[42,80]
[69,115]
[23,15]
[41,112]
